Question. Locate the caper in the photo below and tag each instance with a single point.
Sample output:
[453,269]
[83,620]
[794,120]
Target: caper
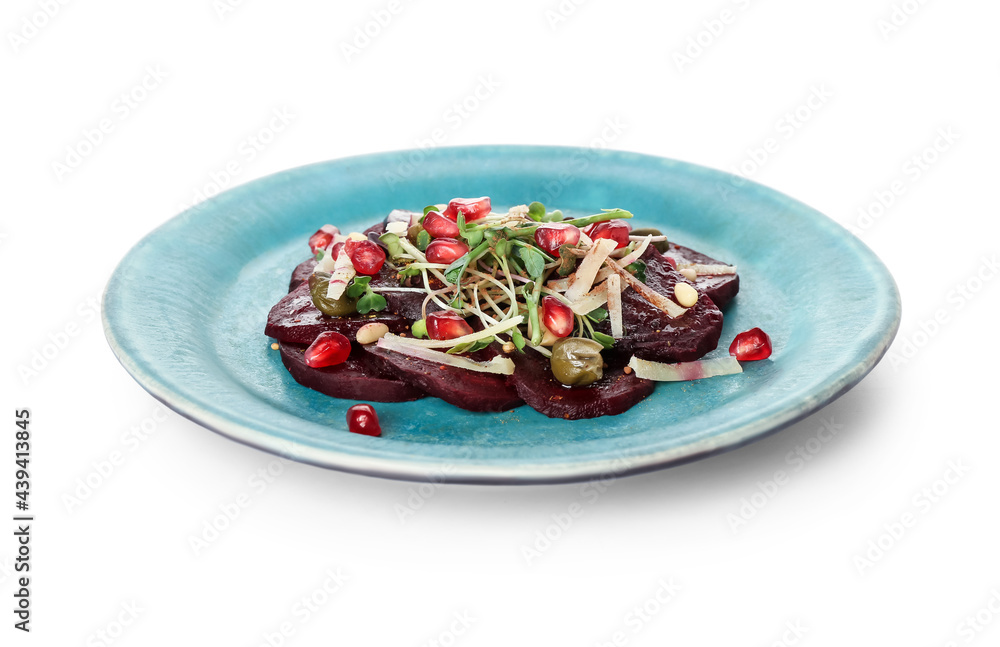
[577,361]
[661,246]
[319,283]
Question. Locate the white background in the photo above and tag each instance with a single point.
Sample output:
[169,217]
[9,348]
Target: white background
[793,563]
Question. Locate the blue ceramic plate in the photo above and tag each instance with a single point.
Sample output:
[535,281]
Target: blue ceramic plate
[185,310]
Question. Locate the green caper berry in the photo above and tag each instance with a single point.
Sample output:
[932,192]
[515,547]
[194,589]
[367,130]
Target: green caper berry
[319,283]
[577,361]
[661,246]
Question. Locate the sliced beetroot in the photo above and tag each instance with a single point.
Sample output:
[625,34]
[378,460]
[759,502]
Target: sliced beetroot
[614,393]
[465,389]
[302,272]
[296,320]
[362,377]
[651,334]
[720,289]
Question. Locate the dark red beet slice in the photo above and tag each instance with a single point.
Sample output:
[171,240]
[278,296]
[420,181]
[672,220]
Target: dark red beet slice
[302,272]
[296,320]
[362,377]
[720,289]
[465,389]
[651,334]
[614,393]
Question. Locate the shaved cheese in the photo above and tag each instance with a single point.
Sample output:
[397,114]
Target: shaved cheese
[561,285]
[485,333]
[663,303]
[684,371]
[326,264]
[397,227]
[499,365]
[614,285]
[589,266]
[639,251]
[652,238]
[591,301]
[708,270]
[343,272]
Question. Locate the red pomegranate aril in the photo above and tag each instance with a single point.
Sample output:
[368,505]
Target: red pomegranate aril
[615,230]
[440,227]
[362,419]
[551,236]
[322,238]
[329,349]
[472,208]
[752,345]
[366,256]
[447,325]
[557,316]
[445,250]
[672,262]
[336,249]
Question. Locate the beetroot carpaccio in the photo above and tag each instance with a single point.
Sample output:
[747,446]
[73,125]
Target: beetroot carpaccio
[490,310]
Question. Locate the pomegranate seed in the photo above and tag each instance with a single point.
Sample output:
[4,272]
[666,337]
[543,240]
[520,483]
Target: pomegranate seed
[445,250]
[336,249]
[672,262]
[446,324]
[616,230]
[552,236]
[440,227]
[557,316]
[329,349]
[751,345]
[366,256]
[362,419]
[473,208]
[323,237]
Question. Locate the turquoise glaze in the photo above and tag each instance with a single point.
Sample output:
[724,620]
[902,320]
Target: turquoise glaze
[185,310]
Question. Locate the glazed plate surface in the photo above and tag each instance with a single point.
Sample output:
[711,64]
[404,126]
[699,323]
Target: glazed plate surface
[196,342]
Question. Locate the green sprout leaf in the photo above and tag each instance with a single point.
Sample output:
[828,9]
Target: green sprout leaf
[598,315]
[429,208]
[604,340]
[419,328]
[371,301]
[534,262]
[518,339]
[536,211]
[638,268]
[320,253]
[567,261]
